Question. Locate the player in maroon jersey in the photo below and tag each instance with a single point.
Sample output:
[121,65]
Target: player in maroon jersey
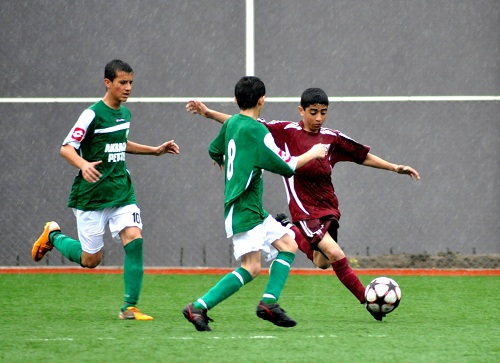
[310,193]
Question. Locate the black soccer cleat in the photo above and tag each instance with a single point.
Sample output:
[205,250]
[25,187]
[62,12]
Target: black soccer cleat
[198,317]
[275,314]
[376,316]
[284,220]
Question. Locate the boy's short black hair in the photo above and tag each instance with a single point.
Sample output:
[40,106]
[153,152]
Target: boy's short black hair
[114,66]
[313,96]
[247,91]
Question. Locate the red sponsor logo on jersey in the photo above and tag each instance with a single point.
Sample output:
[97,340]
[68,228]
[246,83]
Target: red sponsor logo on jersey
[286,158]
[78,134]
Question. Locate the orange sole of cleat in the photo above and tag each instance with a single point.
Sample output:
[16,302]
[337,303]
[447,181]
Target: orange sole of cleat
[42,244]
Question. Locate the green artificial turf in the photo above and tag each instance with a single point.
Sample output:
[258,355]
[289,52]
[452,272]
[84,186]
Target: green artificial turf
[74,318]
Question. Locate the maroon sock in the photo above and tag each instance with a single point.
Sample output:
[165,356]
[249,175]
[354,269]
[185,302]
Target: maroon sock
[347,276]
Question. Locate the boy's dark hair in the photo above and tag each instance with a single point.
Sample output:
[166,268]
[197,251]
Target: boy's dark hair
[247,91]
[114,66]
[313,96]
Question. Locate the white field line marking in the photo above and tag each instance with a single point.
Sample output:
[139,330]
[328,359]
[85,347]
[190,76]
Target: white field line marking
[268,99]
[51,339]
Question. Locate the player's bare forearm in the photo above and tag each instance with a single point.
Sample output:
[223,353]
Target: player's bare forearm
[135,148]
[88,168]
[169,147]
[374,161]
[199,108]
[69,153]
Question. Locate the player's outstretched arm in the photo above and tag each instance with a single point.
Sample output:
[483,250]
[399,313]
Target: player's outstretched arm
[168,147]
[374,161]
[199,108]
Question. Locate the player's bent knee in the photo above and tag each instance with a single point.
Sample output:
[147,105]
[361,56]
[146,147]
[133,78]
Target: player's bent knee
[334,254]
[90,264]
[320,261]
[252,265]
[255,273]
[324,265]
[253,270]
[337,256]
[290,246]
[286,244]
[90,260]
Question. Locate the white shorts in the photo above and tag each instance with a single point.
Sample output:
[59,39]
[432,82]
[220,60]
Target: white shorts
[260,238]
[92,224]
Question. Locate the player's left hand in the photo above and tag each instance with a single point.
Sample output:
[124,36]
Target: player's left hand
[220,166]
[405,169]
[197,108]
[169,147]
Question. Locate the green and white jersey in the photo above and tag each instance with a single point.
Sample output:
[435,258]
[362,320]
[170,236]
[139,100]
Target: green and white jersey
[246,147]
[101,134]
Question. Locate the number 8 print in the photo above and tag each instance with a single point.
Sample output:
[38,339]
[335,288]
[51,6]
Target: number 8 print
[231,153]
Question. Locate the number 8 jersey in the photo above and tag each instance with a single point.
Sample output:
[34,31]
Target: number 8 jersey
[245,147]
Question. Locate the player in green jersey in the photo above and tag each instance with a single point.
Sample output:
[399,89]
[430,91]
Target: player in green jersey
[244,146]
[103,192]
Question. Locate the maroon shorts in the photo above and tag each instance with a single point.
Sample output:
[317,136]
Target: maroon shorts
[309,233]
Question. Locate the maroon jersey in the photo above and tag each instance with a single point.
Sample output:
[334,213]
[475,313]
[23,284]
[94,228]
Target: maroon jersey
[310,192]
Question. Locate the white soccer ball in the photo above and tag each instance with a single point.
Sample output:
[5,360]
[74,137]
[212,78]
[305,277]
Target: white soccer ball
[382,295]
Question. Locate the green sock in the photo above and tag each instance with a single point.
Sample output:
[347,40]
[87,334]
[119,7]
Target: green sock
[226,287]
[133,271]
[278,274]
[69,248]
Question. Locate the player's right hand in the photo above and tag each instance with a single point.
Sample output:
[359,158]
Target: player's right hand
[90,173]
[320,150]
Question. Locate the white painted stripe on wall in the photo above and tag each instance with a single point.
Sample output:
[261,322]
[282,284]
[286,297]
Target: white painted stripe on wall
[268,99]
[250,44]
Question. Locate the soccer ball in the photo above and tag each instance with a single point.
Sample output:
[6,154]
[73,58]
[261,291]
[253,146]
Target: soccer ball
[382,295]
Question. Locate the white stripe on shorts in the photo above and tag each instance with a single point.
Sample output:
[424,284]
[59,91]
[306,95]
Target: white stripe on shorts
[306,229]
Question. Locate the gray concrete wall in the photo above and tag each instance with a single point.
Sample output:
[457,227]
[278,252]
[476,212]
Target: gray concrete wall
[197,49]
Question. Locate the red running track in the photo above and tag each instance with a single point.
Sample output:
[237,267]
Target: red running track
[220,271]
